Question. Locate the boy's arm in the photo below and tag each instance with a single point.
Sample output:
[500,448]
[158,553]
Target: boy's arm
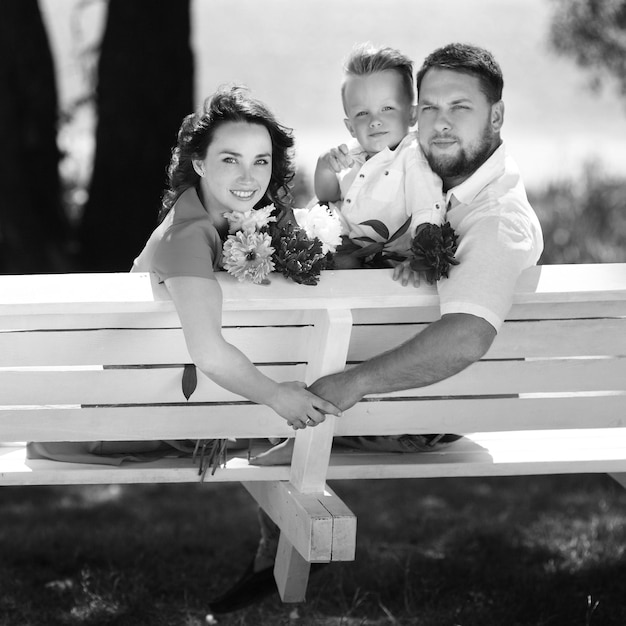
[329,164]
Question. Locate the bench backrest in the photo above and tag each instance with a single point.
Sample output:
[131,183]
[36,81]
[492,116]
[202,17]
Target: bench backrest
[101,356]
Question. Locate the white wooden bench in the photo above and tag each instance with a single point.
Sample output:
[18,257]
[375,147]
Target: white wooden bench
[100,357]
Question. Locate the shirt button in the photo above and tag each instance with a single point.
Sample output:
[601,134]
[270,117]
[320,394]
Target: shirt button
[361,175]
[348,200]
[387,173]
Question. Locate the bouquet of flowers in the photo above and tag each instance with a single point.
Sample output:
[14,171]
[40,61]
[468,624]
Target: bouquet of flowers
[298,248]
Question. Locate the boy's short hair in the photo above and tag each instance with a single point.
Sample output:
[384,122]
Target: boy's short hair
[366,59]
[468,59]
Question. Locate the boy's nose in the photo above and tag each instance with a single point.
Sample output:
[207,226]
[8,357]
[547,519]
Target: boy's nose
[375,122]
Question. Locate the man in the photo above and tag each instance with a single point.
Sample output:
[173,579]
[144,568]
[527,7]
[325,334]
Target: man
[460,115]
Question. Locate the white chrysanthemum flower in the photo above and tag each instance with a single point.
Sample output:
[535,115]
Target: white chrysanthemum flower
[248,256]
[321,222]
[249,221]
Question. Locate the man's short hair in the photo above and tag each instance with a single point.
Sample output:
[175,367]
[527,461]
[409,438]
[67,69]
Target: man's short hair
[469,59]
[366,59]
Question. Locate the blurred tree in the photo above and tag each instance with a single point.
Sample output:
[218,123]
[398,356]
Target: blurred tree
[583,219]
[593,32]
[144,89]
[33,226]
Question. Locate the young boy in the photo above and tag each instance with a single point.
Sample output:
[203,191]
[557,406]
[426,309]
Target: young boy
[381,179]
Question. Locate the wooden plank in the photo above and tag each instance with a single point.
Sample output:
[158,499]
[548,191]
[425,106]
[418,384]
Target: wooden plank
[304,521]
[344,526]
[463,415]
[620,478]
[328,349]
[378,417]
[147,422]
[120,385]
[480,454]
[149,319]
[142,346]
[58,293]
[291,572]
[548,338]
[528,376]
[15,469]
[496,454]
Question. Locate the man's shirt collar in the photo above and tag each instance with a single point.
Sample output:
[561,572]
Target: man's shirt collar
[491,169]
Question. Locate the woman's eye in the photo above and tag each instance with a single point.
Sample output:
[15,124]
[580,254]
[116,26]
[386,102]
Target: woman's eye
[229,160]
[262,162]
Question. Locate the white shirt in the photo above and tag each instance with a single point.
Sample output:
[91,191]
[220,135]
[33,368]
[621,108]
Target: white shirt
[389,187]
[499,236]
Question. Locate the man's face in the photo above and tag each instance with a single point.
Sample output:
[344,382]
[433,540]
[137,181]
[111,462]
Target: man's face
[379,112]
[458,128]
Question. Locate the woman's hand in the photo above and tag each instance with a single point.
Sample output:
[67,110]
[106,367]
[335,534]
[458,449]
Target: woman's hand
[301,408]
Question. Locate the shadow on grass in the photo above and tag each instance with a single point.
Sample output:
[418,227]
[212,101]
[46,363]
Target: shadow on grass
[518,551]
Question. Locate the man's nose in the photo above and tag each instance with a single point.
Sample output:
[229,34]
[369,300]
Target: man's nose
[442,121]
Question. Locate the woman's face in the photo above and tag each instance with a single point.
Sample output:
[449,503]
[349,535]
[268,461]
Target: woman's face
[237,168]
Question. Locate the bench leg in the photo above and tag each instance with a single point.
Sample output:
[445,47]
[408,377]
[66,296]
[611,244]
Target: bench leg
[620,478]
[291,572]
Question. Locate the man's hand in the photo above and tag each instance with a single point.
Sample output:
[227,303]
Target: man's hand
[338,389]
[405,274]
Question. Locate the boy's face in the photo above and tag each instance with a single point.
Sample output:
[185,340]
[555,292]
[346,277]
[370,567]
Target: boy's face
[379,112]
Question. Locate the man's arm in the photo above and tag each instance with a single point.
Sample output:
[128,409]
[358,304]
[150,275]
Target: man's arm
[444,348]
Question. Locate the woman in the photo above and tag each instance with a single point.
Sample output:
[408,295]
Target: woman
[231,156]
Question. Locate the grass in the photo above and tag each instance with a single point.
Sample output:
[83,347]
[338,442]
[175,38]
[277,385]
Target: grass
[540,551]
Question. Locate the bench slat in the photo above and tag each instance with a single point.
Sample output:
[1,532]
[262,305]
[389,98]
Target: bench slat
[163,384]
[378,417]
[143,346]
[120,385]
[545,338]
[480,454]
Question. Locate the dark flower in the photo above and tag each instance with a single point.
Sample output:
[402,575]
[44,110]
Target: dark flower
[433,249]
[295,255]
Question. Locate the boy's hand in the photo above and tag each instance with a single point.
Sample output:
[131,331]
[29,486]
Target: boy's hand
[405,274]
[337,159]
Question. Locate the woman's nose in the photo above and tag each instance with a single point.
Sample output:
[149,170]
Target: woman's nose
[245,173]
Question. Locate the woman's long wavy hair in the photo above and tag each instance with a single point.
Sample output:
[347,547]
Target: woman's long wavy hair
[229,104]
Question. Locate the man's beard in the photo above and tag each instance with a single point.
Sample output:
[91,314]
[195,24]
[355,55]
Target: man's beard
[465,162]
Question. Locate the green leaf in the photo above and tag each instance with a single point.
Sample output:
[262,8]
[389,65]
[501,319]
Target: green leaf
[378,226]
[190,380]
[400,231]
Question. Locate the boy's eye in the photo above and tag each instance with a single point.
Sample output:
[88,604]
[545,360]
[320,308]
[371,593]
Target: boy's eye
[388,108]
[361,114]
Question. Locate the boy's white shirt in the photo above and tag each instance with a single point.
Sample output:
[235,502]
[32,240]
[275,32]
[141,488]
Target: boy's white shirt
[390,187]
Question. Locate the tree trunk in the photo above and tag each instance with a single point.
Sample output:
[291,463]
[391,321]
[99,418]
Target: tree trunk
[33,226]
[145,88]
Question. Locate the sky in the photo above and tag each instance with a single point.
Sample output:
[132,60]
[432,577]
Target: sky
[291,52]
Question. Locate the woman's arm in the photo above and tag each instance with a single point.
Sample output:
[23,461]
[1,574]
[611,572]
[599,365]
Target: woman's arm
[198,302]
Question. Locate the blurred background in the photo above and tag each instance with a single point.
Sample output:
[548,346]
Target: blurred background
[92,93]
